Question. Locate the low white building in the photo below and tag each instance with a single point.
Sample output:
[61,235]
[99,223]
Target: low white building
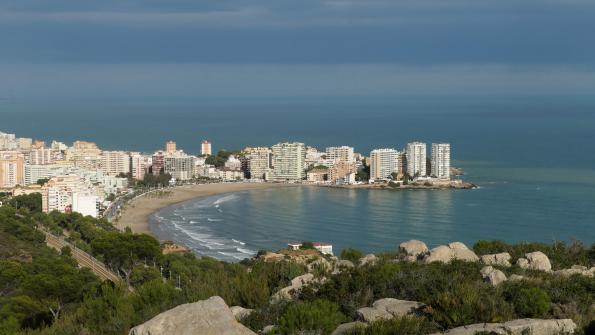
[85,204]
[227,174]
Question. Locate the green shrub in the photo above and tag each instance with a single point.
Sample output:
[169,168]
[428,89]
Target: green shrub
[529,302]
[398,326]
[351,254]
[319,316]
[468,303]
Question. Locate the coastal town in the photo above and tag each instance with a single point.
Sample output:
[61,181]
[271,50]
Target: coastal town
[85,179]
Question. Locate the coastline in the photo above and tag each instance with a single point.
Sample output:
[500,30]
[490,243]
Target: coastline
[136,213]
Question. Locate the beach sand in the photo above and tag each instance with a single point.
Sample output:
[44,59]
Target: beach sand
[137,212]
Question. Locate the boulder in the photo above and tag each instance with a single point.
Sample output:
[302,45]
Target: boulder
[292,291]
[535,261]
[412,249]
[211,317]
[397,307]
[388,308]
[492,276]
[518,327]
[515,277]
[457,245]
[369,259]
[450,252]
[502,259]
[240,312]
[347,328]
[371,314]
[268,329]
[576,269]
[541,327]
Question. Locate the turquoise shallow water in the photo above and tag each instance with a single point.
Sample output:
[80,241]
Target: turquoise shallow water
[512,204]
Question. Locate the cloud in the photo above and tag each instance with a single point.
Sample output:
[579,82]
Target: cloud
[289,13]
[51,80]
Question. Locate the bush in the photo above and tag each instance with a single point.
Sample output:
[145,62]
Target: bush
[468,303]
[529,302]
[401,326]
[320,316]
[351,254]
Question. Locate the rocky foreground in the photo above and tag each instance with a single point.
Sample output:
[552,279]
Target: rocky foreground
[213,316]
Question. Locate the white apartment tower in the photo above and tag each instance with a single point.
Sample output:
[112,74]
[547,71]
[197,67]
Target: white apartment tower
[115,162]
[441,160]
[289,161]
[383,162]
[205,148]
[259,162]
[139,165]
[340,154]
[416,159]
[179,165]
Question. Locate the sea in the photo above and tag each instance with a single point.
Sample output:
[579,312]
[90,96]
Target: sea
[533,158]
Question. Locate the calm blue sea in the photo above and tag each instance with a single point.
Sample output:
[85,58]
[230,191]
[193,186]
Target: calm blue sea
[532,156]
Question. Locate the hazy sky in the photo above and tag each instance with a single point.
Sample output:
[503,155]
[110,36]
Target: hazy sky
[297,47]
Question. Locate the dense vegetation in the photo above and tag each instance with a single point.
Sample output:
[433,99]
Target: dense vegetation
[43,291]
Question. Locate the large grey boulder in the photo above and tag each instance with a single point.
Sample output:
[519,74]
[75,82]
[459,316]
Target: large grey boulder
[493,276]
[240,312]
[292,291]
[502,259]
[348,328]
[535,261]
[388,308]
[518,327]
[369,259]
[576,269]
[206,317]
[450,252]
[412,249]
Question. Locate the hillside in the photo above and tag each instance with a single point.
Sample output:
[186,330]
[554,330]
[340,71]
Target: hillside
[43,291]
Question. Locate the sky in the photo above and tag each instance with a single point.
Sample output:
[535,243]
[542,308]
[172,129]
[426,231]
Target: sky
[113,48]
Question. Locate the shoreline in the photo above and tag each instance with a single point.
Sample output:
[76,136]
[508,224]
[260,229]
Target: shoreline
[137,212]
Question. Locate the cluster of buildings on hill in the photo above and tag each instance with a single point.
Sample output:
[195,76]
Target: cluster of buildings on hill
[82,177]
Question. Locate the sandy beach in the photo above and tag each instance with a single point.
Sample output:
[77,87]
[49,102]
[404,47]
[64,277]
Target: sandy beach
[137,212]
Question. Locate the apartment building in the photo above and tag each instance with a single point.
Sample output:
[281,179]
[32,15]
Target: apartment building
[416,159]
[288,161]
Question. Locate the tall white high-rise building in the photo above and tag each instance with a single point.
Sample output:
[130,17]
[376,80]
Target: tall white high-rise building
[441,160]
[289,161]
[416,159]
[383,162]
[340,154]
[115,162]
[258,162]
[205,148]
[179,165]
[139,165]
[12,169]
